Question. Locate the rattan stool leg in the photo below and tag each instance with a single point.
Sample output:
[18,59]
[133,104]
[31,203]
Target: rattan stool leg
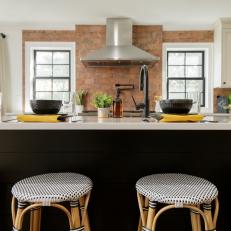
[151,214]
[194,220]
[17,221]
[35,219]
[84,213]
[75,213]
[208,214]
[141,199]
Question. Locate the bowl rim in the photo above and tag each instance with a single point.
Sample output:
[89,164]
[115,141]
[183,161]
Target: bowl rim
[176,100]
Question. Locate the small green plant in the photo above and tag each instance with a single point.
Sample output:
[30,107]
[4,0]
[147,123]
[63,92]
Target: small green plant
[80,97]
[102,100]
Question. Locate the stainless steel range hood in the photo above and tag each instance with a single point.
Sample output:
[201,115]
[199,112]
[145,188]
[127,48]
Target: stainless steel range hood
[119,50]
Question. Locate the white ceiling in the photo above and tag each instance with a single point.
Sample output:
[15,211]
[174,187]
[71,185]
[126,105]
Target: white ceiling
[173,14]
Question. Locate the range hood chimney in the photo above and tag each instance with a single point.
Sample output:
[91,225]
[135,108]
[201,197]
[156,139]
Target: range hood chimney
[119,50]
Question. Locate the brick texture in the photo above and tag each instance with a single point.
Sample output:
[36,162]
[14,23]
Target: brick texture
[188,36]
[91,37]
[219,92]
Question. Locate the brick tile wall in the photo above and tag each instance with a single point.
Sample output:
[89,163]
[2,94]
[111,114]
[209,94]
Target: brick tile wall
[188,36]
[91,37]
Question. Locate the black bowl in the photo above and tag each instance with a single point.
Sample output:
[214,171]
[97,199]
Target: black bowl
[46,106]
[176,106]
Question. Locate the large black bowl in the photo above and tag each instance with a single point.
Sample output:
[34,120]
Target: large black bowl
[176,106]
[46,106]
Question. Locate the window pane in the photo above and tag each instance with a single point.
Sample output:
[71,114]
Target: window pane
[61,70]
[44,57]
[43,70]
[61,57]
[194,71]
[194,85]
[43,95]
[176,58]
[176,86]
[61,96]
[60,85]
[176,95]
[176,71]
[43,85]
[193,58]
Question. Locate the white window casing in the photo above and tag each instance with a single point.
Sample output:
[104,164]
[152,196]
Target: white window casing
[208,49]
[30,47]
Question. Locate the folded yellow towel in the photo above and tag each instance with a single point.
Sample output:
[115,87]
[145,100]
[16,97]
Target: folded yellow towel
[39,118]
[181,118]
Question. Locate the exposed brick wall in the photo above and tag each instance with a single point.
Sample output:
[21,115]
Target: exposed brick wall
[219,92]
[187,36]
[90,38]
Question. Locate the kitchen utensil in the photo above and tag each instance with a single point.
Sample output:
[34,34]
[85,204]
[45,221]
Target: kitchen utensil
[46,106]
[176,106]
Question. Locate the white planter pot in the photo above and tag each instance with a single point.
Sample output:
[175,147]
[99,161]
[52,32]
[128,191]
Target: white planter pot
[103,112]
[78,109]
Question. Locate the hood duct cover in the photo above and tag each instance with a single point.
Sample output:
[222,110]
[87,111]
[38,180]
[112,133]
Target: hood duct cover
[119,50]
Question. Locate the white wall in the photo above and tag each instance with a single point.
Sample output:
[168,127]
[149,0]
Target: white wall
[14,80]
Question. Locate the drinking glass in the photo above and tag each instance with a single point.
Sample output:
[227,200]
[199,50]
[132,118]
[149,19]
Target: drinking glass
[196,97]
[67,103]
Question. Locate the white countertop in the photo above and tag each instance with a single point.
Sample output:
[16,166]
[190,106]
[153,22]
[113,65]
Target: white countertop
[93,123]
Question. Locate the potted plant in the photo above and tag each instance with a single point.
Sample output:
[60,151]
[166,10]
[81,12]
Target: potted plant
[102,102]
[80,96]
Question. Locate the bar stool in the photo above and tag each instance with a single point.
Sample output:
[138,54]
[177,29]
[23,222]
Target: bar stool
[52,189]
[177,191]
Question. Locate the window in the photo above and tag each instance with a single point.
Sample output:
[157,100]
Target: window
[49,71]
[185,73]
[188,67]
[52,78]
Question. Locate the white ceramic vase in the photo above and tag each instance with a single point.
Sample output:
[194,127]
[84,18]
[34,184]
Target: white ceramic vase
[103,112]
[78,109]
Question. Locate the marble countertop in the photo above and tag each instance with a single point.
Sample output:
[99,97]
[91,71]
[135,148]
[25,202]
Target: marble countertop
[217,122]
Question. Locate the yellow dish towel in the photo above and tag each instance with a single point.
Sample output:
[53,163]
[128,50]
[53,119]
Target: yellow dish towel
[39,118]
[181,118]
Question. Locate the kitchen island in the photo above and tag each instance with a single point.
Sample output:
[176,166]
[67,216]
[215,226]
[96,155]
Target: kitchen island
[115,153]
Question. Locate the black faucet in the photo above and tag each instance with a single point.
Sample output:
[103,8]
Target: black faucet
[144,88]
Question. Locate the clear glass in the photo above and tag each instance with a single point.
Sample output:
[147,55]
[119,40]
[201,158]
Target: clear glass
[194,85]
[68,103]
[176,85]
[60,84]
[61,71]
[175,71]
[196,97]
[61,57]
[43,85]
[193,58]
[44,57]
[43,70]
[176,95]
[194,71]
[176,58]
[43,95]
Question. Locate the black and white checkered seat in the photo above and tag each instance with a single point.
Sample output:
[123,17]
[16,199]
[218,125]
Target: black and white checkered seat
[176,188]
[52,187]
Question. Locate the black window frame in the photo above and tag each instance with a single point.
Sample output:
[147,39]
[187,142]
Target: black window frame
[202,78]
[51,77]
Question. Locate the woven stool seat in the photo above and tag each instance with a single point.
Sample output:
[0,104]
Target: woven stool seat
[52,187]
[177,189]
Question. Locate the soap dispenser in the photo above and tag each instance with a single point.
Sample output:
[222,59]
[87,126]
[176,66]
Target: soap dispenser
[117,111]
[117,105]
